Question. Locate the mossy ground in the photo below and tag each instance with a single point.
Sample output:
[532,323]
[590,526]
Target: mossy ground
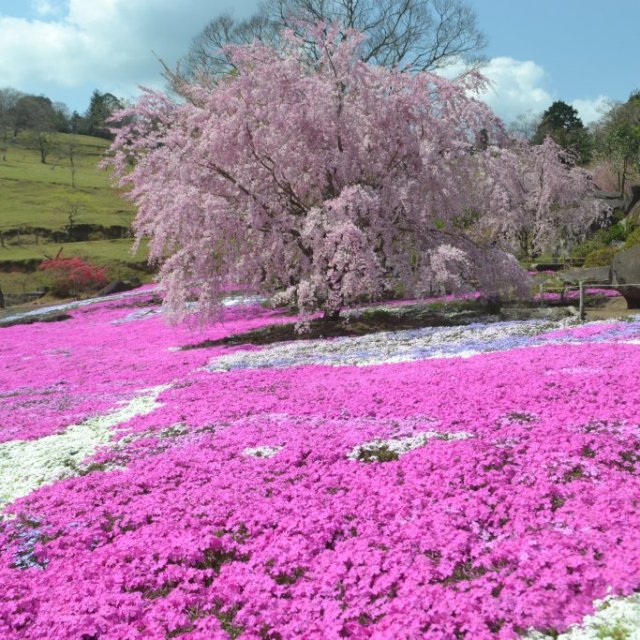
[374,320]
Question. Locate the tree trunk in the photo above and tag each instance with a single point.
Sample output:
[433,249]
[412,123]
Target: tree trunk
[494,304]
[331,315]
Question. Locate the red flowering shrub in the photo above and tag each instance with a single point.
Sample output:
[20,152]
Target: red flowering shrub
[72,276]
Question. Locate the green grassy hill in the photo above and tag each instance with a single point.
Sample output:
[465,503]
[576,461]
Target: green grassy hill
[68,203]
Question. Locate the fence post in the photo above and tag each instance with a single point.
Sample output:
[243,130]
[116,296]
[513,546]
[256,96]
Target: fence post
[581,312]
[541,295]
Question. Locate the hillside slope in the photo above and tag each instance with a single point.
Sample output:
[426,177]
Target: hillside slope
[67,204]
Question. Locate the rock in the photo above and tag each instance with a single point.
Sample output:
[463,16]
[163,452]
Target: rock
[515,313]
[51,317]
[615,200]
[633,198]
[118,286]
[592,275]
[608,195]
[625,270]
[547,266]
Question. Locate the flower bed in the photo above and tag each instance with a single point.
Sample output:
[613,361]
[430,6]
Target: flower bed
[375,487]
[574,294]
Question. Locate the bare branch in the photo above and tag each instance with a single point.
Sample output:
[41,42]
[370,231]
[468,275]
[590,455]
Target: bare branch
[416,34]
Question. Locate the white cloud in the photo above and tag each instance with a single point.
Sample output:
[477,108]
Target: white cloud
[521,88]
[45,8]
[517,87]
[591,109]
[104,44]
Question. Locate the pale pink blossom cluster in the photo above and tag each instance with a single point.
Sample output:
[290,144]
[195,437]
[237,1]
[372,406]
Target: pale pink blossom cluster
[338,181]
[539,201]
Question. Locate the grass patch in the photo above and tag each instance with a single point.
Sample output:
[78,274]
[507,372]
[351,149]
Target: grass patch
[380,453]
[39,195]
[101,252]
[21,275]
[28,204]
[41,202]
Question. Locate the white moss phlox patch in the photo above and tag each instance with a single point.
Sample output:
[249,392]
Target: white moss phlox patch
[615,618]
[404,445]
[389,346]
[262,452]
[26,465]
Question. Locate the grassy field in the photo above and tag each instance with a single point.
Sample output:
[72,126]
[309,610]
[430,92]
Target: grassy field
[39,199]
[102,252]
[115,255]
[41,195]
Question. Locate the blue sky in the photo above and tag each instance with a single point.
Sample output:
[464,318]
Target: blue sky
[585,52]
[586,49]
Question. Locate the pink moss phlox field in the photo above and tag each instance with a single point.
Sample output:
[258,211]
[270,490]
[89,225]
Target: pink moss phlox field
[182,533]
[61,373]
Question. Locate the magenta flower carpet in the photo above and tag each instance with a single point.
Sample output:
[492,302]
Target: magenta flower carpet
[467,482]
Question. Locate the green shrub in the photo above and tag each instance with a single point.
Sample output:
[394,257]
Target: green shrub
[588,246]
[599,243]
[633,239]
[616,233]
[600,257]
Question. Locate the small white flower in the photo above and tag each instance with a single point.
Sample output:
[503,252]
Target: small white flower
[262,452]
[404,445]
[26,465]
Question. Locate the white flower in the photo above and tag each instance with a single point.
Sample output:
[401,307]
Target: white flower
[26,465]
[615,617]
[262,452]
[404,445]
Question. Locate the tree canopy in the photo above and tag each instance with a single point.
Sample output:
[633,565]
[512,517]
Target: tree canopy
[541,202]
[101,107]
[328,181]
[618,139]
[562,123]
[21,111]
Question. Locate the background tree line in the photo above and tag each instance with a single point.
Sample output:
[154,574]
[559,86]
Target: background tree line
[613,139]
[42,118]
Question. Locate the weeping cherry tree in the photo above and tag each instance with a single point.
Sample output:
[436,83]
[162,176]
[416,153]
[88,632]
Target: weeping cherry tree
[326,181]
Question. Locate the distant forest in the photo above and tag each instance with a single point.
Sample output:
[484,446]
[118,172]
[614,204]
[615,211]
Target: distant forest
[21,111]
